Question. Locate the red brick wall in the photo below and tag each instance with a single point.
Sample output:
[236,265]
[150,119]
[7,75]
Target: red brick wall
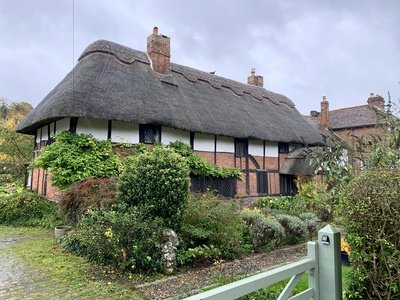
[209,156]
[226,160]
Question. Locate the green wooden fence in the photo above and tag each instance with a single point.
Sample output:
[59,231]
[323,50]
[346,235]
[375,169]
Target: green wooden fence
[322,264]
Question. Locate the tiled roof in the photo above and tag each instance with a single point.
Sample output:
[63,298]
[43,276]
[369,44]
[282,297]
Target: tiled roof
[350,117]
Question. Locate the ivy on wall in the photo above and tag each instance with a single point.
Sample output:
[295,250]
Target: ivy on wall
[201,167]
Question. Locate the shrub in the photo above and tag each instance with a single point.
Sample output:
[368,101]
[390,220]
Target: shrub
[119,237]
[72,158]
[208,220]
[199,253]
[88,194]
[295,228]
[371,217]
[157,182]
[27,209]
[287,204]
[311,222]
[265,230]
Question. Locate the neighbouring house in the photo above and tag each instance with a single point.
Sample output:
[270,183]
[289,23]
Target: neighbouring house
[353,123]
[118,93]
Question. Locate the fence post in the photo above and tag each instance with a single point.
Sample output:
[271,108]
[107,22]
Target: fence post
[313,278]
[329,267]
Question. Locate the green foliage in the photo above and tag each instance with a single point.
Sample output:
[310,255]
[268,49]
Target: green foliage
[262,229]
[371,217]
[15,148]
[203,252]
[295,228]
[336,174]
[287,204]
[157,182]
[89,194]
[27,209]
[311,221]
[72,158]
[120,237]
[208,220]
[201,167]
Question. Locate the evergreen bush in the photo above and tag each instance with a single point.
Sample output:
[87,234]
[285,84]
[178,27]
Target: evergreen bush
[157,183]
[295,228]
[210,221]
[27,209]
[371,216]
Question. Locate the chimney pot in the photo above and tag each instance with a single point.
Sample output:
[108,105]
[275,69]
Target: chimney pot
[155,30]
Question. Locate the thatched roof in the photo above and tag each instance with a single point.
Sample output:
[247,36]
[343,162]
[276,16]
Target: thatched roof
[114,82]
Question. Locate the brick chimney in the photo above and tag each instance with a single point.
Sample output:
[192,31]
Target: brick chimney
[254,79]
[374,100]
[324,117]
[158,49]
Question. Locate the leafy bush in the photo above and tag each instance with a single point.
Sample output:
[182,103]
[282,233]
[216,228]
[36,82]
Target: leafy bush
[88,194]
[204,252]
[27,209]
[157,182]
[201,167]
[287,204]
[295,228]
[265,230]
[119,237]
[311,221]
[208,220]
[371,217]
[72,158]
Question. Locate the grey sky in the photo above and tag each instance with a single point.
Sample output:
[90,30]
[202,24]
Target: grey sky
[304,49]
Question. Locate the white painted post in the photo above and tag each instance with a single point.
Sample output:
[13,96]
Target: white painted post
[330,269]
[313,278]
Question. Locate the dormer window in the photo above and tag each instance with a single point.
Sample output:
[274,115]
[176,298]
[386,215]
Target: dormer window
[149,134]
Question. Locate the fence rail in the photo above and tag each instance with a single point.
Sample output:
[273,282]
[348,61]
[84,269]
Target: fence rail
[323,266]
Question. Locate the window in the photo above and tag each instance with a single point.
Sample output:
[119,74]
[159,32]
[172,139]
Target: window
[287,184]
[262,182]
[149,134]
[241,147]
[283,148]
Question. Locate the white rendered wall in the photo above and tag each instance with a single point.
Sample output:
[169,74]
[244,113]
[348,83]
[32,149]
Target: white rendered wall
[96,127]
[203,142]
[62,125]
[169,134]
[45,133]
[38,134]
[51,129]
[271,149]
[256,147]
[225,144]
[124,132]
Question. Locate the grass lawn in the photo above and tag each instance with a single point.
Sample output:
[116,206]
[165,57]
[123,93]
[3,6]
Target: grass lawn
[57,274]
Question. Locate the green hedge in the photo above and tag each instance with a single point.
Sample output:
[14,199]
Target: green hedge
[371,216]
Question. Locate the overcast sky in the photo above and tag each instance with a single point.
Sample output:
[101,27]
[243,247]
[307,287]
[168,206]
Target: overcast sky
[343,49]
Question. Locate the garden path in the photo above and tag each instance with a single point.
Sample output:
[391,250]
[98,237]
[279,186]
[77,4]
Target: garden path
[16,280]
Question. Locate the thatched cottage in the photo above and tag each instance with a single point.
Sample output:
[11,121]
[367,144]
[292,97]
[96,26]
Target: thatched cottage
[118,93]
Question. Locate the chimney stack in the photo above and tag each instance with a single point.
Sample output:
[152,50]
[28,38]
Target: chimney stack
[158,49]
[374,100]
[254,79]
[324,118]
